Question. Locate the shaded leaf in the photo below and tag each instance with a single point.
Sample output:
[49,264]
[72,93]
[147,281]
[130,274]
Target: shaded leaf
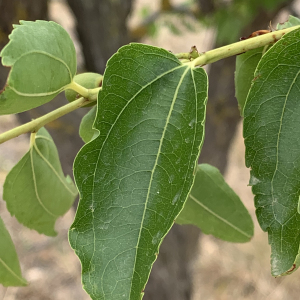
[292,21]
[10,271]
[246,64]
[215,208]
[43,62]
[271,132]
[136,175]
[35,190]
[86,130]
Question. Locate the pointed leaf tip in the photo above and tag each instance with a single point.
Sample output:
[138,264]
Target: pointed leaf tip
[271,130]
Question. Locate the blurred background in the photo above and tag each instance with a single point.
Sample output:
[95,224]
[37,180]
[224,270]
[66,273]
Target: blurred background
[190,266]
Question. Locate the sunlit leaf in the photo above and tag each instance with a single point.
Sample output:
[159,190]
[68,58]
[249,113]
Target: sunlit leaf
[43,61]
[215,208]
[10,271]
[271,132]
[136,175]
[35,190]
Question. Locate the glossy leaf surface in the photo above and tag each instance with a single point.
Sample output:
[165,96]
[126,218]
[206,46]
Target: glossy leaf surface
[43,61]
[136,175]
[86,130]
[35,190]
[215,208]
[10,271]
[246,64]
[271,132]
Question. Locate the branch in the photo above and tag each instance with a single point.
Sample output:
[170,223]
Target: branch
[240,47]
[203,59]
[36,124]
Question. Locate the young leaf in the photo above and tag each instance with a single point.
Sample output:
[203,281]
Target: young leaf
[10,271]
[215,208]
[136,175]
[86,130]
[43,62]
[35,190]
[271,131]
[292,21]
[245,67]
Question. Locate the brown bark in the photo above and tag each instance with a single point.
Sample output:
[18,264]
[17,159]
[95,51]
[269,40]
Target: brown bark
[102,30]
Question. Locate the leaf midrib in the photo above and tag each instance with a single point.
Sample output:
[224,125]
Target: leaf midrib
[219,217]
[156,163]
[104,142]
[12,272]
[35,186]
[277,150]
[50,166]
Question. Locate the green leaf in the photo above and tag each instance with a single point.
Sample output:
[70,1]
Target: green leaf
[292,21]
[86,80]
[215,208]
[43,62]
[244,75]
[86,130]
[136,175]
[10,271]
[271,131]
[35,190]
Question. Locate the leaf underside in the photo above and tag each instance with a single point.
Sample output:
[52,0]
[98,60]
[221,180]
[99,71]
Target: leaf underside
[42,58]
[215,208]
[271,132]
[10,271]
[35,190]
[136,175]
[86,130]
[292,21]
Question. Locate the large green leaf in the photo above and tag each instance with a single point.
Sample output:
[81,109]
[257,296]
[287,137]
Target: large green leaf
[10,271]
[43,62]
[136,175]
[215,208]
[245,67]
[35,190]
[271,132]
[86,130]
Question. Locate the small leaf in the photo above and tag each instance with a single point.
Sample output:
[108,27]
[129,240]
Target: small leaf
[86,130]
[215,208]
[271,132]
[292,21]
[35,190]
[244,75]
[10,271]
[87,80]
[43,62]
[136,175]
